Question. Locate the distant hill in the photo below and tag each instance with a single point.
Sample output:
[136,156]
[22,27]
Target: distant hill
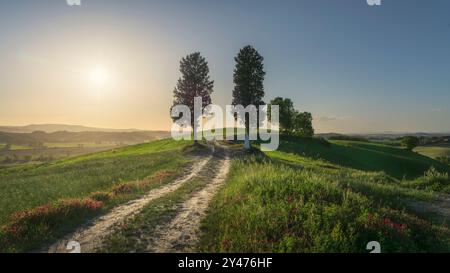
[367,156]
[51,128]
[384,135]
[38,138]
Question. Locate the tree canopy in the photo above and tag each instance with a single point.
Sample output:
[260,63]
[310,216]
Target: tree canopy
[248,81]
[293,122]
[194,82]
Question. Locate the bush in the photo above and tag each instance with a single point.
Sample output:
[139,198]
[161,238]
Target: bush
[410,142]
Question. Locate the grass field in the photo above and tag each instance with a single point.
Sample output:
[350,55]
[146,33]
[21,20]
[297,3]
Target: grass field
[19,147]
[434,151]
[311,195]
[50,187]
[368,156]
[24,155]
[84,144]
[296,200]
[43,155]
[28,187]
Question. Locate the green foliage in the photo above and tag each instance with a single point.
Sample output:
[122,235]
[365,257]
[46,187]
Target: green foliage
[293,122]
[248,78]
[287,114]
[194,82]
[303,124]
[410,142]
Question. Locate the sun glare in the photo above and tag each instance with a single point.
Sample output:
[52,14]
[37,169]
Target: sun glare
[99,76]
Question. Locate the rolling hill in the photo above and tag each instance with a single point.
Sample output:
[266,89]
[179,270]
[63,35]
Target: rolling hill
[50,128]
[37,137]
[311,195]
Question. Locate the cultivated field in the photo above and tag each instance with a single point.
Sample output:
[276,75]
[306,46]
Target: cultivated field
[434,151]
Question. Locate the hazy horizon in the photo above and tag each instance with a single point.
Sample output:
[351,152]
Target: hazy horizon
[144,129]
[114,64]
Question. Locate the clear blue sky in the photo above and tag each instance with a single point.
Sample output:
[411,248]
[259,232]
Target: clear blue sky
[356,68]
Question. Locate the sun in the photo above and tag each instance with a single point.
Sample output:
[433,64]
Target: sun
[99,76]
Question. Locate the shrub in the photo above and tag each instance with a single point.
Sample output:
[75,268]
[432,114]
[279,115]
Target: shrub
[410,142]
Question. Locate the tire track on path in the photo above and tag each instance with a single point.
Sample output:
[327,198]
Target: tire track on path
[181,234]
[91,235]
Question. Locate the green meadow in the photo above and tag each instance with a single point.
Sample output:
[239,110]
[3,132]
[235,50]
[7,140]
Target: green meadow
[30,186]
[311,195]
[316,196]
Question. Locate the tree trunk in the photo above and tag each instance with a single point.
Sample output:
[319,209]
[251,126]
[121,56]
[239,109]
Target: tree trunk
[247,142]
[195,127]
[247,133]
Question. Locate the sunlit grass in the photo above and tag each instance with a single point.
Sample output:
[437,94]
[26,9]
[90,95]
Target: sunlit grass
[292,202]
[434,151]
[31,186]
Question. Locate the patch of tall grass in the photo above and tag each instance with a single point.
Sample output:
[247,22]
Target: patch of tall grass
[31,186]
[271,206]
[433,180]
[31,228]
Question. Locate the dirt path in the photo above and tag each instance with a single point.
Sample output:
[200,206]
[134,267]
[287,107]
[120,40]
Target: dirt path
[90,236]
[181,233]
[440,207]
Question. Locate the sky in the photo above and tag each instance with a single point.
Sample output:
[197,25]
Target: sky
[114,64]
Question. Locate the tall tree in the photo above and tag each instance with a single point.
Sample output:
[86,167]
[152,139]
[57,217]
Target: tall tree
[248,81]
[287,114]
[194,82]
